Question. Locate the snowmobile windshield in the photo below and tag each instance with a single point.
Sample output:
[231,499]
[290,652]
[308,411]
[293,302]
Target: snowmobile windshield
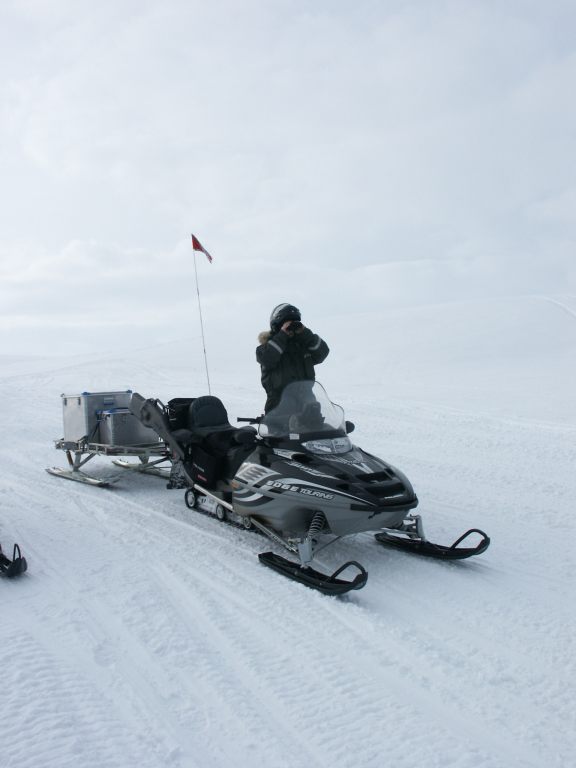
[305,413]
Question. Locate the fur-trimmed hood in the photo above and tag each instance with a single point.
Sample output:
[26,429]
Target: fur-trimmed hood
[264,336]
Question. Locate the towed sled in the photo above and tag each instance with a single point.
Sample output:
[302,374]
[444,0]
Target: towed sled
[298,479]
[101,424]
[15,566]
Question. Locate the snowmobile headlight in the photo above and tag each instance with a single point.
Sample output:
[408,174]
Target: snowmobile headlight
[334,445]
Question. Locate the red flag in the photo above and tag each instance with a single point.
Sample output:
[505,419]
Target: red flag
[198,247]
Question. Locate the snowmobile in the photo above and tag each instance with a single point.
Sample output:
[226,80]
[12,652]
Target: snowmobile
[298,479]
[14,567]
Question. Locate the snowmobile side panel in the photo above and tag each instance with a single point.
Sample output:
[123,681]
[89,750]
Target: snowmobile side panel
[284,489]
[328,585]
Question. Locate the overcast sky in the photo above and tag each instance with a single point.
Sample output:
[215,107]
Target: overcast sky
[368,153]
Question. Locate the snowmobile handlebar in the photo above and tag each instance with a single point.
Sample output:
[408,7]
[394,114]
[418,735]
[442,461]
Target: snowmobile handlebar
[251,420]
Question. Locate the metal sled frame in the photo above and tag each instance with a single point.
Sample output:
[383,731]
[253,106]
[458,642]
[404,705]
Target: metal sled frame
[78,454]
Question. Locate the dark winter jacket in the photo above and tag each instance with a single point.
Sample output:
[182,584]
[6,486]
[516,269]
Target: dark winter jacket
[284,359]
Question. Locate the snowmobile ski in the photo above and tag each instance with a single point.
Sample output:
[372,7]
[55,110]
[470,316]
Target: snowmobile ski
[328,585]
[426,548]
[14,567]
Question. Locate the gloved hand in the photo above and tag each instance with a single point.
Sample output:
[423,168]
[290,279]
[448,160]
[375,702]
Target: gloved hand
[304,335]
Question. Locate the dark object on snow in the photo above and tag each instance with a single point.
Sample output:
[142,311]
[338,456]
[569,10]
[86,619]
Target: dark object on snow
[300,481]
[14,567]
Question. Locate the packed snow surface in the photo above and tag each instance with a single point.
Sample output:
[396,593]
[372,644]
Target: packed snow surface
[146,635]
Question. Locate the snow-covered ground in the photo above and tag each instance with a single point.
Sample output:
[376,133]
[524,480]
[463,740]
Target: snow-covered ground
[145,635]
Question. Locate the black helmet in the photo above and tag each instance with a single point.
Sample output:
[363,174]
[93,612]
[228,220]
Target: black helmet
[281,314]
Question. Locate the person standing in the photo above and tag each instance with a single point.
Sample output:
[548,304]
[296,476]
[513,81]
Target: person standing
[287,352]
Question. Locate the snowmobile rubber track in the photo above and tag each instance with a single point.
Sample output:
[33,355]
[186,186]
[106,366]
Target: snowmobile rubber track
[225,521]
[14,567]
[438,551]
[212,515]
[328,585]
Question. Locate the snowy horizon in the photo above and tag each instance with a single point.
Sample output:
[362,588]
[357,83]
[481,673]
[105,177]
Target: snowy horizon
[383,155]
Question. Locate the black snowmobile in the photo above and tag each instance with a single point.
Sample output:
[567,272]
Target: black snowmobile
[299,480]
[14,567]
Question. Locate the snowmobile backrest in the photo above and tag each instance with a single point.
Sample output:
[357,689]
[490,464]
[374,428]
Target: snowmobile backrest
[208,414]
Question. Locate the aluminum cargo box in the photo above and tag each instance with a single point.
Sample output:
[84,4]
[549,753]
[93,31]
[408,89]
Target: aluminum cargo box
[81,413]
[120,427]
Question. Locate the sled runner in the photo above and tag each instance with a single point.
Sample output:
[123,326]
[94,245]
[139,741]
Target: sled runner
[152,460]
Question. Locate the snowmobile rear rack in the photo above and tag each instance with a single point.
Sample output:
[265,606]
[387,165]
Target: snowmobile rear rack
[14,567]
[420,546]
[328,585]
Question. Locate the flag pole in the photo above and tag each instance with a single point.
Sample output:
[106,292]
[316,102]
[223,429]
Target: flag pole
[201,325]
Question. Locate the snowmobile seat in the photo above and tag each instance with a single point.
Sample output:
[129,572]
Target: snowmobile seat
[198,418]
[211,433]
[205,424]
